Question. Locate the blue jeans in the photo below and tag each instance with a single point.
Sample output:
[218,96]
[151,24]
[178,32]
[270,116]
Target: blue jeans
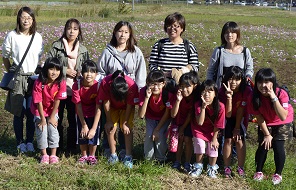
[18,123]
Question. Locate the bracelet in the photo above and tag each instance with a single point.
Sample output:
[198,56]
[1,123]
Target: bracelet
[274,99]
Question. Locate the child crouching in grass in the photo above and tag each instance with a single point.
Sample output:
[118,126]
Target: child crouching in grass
[84,96]
[48,90]
[209,117]
[119,94]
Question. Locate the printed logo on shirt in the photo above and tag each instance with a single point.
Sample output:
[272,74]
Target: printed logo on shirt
[64,94]
[244,103]
[100,101]
[136,100]
[93,96]
[168,104]
[285,105]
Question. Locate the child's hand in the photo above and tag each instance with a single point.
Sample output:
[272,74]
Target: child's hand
[42,124]
[179,95]
[125,129]
[236,135]
[204,103]
[148,92]
[84,131]
[267,141]
[91,133]
[71,73]
[270,91]
[109,126]
[155,135]
[215,144]
[228,91]
[53,121]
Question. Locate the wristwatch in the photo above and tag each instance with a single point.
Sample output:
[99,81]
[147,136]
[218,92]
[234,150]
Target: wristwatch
[274,99]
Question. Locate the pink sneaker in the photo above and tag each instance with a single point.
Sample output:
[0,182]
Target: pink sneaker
[82,160]
[276,179]
[44,159]
[227,172]
[92,160]
[240,171]
[258,176]
[53,159]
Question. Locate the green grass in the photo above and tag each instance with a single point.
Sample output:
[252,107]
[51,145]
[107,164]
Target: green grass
[269,33]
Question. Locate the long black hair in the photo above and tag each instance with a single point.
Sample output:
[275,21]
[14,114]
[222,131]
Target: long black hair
[190,78]
[263,75]
[51,62]
[119,86]
[211,86]
[235,73]
[131,42]
[67,25]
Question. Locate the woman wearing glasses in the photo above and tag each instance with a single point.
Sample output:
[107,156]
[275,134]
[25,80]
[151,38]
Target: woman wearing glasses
[19,99]
[174,52]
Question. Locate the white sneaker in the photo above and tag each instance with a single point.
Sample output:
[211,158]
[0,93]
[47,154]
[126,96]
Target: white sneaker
[22,148]
[30,147]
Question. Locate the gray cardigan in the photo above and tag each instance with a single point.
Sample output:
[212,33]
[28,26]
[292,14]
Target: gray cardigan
[133,64]
[228,59]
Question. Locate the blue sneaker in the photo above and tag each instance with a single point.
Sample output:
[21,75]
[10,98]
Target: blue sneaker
[212,171]
[128,162]
[113,159]
[121,154]
[196,170]
[107,153]
[176,165]
[187,167]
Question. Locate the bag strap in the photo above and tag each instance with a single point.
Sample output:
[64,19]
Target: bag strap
[120,61]
[25,54]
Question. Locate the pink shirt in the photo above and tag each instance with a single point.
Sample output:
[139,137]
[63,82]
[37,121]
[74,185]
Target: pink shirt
[105,93]
[156,107]
[47,95]
[206,130]
[185,107]
[267,111]
[87,97]
[239,99]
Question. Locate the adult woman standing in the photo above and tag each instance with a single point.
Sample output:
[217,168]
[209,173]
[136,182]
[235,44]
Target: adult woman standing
[18,100]
[72,54]
[230,53]
[173,52]
[122,54]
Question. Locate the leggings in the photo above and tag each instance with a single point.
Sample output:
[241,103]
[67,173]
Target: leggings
[279,156]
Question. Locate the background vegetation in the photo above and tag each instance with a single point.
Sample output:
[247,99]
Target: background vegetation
[269,33]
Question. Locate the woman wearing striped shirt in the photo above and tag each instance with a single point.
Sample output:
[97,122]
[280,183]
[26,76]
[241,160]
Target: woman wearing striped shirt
[174,51]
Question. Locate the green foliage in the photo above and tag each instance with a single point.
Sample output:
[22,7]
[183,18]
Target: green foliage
[123,8]
[105,12]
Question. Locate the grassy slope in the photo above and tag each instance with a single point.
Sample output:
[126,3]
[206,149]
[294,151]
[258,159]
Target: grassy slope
[264,30]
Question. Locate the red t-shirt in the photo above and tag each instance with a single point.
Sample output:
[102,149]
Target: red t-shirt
[87,97]
[105,93]
[185,108]
[47,95]
[267,111]
[156,107]
[205,131]
[239,99]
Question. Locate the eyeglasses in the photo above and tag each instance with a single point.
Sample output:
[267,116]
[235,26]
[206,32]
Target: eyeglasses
[173,27]
[26,18]
[158,85]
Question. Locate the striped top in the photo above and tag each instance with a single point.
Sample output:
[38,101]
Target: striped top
[172,56]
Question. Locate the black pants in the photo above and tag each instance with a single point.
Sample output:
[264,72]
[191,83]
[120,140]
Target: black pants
[72,129]
[279,154]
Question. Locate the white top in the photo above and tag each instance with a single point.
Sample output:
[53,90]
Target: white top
[15,45]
